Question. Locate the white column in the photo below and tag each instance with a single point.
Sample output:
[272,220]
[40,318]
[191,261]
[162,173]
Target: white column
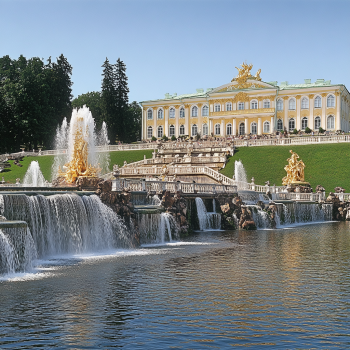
[234,126]
[272,126]
[259,126]
[311,114]
[187,120]
[323,116]
[155,134]
[166,119]
[298,127]
[338,115]
[246,126]
[286,120]
[223,131]
[177,116]
[142,124]
[210,127]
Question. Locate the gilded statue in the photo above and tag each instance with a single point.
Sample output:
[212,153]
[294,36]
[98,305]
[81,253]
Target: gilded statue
[244,75]
[78,166]
[294,169]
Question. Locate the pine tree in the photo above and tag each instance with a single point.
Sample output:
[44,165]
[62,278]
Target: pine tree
[122,100]
[108,96]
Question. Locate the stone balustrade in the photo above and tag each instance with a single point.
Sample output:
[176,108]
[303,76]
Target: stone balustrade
[310,197]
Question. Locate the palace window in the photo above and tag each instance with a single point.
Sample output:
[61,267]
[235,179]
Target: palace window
[172,113]
[318,102]
[253,128]
[194,130]
[149,132]
[330,122]
[330,101]
[266,127]
[217,129]
[160,131]
[194,112]
[171,130]
[280,105]
[291,124]
[279,125]
[240,105]
[229,129]
[149,114]
[182,130]
[217,108]
[266,103]
[254,104]
[241,129]
[160,114]
[304,103]
[205,129]
[304,123]
[292,104]
[228,106]
[205,111]
[182,112]
[317,122]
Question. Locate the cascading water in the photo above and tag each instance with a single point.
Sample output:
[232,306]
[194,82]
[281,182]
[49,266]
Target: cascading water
[157,228]
[67,224]
[65,141]
[207,221]
[17,250]
[34,177]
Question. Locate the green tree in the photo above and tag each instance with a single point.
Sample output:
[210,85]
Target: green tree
[133,124]
[122,100]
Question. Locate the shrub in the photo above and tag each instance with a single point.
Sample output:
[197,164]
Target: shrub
[173,138]
[308,130]
[165,138]
[295,131]
[321,131]
[154,138]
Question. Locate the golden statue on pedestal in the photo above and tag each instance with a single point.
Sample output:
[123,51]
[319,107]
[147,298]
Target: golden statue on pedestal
[78,166]
[295,171]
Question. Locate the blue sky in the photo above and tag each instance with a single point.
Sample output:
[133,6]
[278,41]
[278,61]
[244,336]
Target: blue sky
[178,46]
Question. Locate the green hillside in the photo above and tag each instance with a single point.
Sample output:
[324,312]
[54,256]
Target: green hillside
[45,162]
[326,164]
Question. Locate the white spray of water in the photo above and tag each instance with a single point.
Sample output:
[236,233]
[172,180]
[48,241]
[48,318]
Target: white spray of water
[34,177]
[240,176]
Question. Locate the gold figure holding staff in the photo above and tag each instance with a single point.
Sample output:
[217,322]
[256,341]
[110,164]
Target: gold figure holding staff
[295,170]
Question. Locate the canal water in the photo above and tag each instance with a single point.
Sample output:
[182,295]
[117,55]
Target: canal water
[273,289]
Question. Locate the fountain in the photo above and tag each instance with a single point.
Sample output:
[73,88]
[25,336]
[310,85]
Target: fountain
[34,177]
[77,143]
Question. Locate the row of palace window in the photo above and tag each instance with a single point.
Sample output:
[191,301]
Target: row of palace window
[305,103]
[253,105]
[241,128]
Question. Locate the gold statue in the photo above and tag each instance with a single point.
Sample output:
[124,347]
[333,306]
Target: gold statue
[78,166]
[294,169]
[244,75]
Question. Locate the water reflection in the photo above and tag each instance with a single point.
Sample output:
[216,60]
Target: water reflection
[272,289]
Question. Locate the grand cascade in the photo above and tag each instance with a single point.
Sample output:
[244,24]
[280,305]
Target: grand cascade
[248,105]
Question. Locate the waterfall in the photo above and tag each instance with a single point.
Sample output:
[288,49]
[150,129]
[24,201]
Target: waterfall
[34,177]
[260,217]
[103,158]
[155,200]
[157,228]
[298,212]
[68,223]
[17,250]
[241,176]
[207,221]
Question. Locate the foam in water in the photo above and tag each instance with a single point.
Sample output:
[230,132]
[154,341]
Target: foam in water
[157,228]
[34,177]
[65,141]
[67,224]
[207,221]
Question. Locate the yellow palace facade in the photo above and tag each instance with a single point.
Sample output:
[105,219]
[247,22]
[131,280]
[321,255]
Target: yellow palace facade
[247,105]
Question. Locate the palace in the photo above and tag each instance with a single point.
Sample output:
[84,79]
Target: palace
[248,105]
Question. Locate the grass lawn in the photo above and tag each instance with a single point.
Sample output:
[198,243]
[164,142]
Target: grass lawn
[325,164]
[45,162]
